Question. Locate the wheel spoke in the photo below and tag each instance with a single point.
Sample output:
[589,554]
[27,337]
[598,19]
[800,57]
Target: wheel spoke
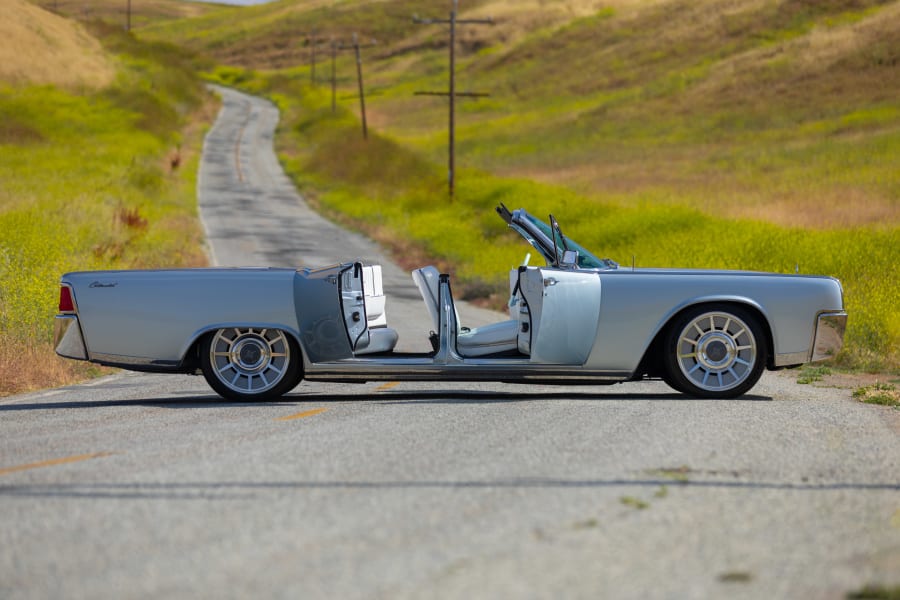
[249,360]
[706,344]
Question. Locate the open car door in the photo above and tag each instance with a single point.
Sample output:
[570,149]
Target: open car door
[353,303]
[565,312]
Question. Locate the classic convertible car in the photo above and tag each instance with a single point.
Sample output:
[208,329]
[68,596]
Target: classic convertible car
[256,333]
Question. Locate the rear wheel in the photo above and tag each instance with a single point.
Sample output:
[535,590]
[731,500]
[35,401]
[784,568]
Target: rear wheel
[714,351]
[249,363]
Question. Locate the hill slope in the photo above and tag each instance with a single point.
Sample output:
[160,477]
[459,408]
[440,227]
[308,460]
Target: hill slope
[39,47]
[748,108]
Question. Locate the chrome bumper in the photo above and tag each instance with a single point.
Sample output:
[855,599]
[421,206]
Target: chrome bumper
[829,338]
[67,338]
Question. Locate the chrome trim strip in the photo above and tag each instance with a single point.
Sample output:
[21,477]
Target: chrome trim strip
[67,338]
[829,338]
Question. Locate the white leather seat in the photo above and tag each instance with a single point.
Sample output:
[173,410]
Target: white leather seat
[381,339]
[374,291]
[490,339]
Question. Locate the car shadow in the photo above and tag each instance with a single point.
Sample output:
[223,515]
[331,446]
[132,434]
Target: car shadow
[210,401]
[387,397]
[482,397]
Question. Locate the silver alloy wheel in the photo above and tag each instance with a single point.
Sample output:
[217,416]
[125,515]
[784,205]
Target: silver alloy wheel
[717,351]
[249,360]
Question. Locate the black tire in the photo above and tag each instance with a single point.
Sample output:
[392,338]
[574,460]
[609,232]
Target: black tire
[250,364]
[714,351]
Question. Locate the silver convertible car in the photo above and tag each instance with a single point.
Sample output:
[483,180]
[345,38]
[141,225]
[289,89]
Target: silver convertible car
[256,333]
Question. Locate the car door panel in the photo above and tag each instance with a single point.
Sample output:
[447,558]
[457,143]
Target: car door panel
[565,309]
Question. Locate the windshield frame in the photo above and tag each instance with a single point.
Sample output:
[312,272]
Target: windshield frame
[541,235]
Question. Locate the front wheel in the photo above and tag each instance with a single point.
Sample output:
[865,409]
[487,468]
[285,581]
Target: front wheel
[714,351]
[248,363]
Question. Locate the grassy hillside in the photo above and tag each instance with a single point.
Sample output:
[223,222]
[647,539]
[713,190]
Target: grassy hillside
[115,12]
[42,48]
[91,178]
[748,134]
[783,110]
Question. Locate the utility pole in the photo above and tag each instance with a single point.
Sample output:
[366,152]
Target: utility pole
[362,95]
[453,21]
[359,78]
[333,76]
[313,43]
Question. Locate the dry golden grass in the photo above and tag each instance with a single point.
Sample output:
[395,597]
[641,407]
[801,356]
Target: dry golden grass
[827,209]
[24,368]
[142,11]
[38,47]
[815,56]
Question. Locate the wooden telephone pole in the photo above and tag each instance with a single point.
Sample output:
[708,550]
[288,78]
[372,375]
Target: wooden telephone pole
[453,21]
[359,77]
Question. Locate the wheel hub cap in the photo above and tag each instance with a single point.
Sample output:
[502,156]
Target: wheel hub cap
[250,354]
[716,351]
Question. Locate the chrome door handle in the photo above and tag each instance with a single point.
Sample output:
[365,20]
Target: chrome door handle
[550,281]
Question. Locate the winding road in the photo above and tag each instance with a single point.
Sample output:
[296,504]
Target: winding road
[150,486]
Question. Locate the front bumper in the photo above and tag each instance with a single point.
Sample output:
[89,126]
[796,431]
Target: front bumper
[67,338]
[829,338]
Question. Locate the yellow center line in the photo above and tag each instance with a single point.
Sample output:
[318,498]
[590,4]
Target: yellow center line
[307,413]
[387,386]
[53,462]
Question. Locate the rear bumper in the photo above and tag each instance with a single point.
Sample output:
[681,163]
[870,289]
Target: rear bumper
[829,338]
[67,338]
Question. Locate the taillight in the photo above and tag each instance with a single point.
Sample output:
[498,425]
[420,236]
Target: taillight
[66,304]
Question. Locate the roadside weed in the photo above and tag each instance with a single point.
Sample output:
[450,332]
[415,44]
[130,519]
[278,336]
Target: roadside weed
[884,394]
[813,373]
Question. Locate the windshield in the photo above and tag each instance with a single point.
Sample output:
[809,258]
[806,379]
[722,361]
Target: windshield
[586,260]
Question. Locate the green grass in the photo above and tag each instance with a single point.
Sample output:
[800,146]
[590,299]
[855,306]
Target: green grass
[875,592]
[883,394]
[635,503]
[813,373]
[86,182]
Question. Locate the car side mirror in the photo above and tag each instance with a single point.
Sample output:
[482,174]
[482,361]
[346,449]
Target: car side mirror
[570,259]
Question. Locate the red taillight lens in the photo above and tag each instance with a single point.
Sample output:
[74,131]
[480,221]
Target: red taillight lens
[66,304]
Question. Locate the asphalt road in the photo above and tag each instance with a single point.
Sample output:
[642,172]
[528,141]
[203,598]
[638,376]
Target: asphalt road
[146,486]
